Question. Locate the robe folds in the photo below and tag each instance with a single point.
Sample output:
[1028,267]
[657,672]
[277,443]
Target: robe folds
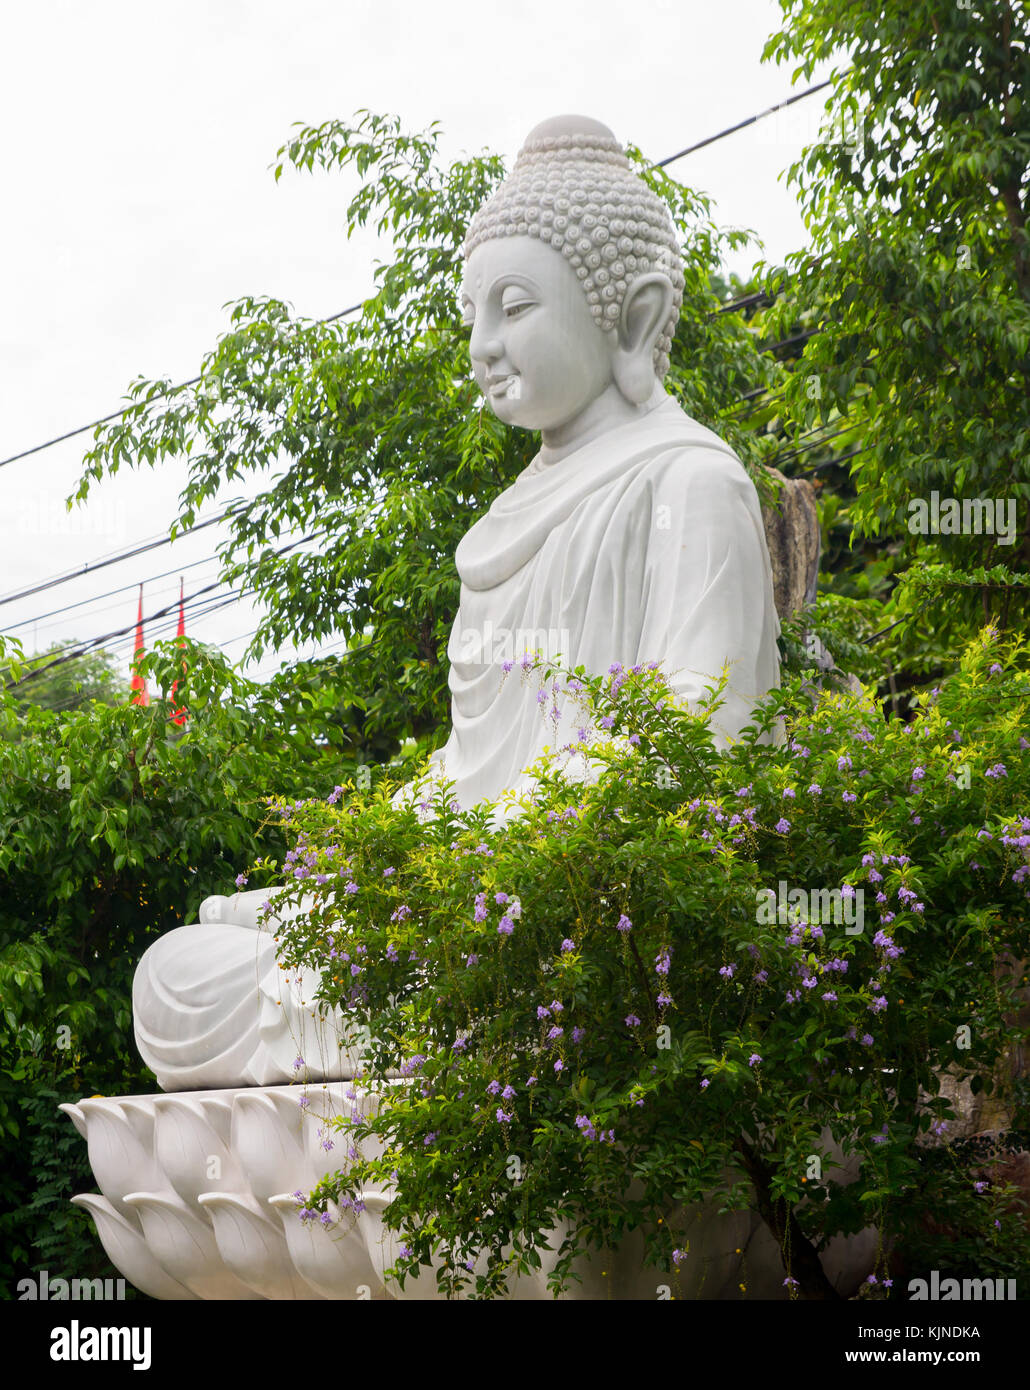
[213,1008]
[646,544]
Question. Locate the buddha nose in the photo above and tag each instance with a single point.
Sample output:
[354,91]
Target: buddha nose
[485,349]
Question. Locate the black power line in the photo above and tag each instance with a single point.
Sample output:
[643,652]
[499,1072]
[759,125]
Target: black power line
[95,642]
[96,598]
[741,125]
[114,559]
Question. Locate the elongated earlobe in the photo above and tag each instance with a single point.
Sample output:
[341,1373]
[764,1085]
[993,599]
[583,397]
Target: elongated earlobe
[645,311]
[635,378]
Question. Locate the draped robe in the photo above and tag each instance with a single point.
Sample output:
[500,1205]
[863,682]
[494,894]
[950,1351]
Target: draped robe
[645,544]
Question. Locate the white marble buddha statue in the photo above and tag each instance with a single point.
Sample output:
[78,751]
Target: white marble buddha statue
[634,535]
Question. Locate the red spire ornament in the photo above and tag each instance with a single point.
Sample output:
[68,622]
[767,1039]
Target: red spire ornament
[179,716]
[138,685]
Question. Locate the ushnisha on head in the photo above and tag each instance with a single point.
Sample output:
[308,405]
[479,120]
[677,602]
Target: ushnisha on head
[573,281]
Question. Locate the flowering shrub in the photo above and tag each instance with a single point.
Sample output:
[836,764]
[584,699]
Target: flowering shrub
[631,997]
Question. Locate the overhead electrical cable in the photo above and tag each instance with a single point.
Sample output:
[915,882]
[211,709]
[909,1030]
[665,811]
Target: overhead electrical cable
[114,559]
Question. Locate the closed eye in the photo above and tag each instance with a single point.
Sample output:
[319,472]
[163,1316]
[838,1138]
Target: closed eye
[512,311]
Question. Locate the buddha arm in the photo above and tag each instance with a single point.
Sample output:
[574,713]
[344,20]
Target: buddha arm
[240,910]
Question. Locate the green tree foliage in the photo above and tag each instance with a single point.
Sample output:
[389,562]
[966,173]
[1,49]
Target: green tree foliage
[599,990]
[114,825]
[916,201]
[52,681]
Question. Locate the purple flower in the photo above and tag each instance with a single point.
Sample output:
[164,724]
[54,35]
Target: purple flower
[494,1087]
[663,999]
[830,997]
[866,1039]
[508,1092]
[753,1060]
[298,1064]
[815,789]
[761,977]
[555,1033]
[531,1081]
[678,1256]
[578,1034]
[241,880]
[567,945]
[500,899]
[623,924]
[661,963]
[705,1083]
[632,1021]
[843,762]
[726,971]
[506,926]
[782,826]
[849,796]
[541,1012]
[559,1065]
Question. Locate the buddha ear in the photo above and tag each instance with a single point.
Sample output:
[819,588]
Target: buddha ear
[645,312]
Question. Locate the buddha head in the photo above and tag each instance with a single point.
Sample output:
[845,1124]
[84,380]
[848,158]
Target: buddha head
[573,282]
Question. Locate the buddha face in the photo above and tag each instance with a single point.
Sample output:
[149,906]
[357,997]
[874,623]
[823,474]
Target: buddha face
[539,358]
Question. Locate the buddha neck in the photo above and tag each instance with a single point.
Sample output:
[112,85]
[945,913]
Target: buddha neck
[610,410]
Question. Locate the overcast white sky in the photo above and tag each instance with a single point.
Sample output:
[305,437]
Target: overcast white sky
[138,200]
